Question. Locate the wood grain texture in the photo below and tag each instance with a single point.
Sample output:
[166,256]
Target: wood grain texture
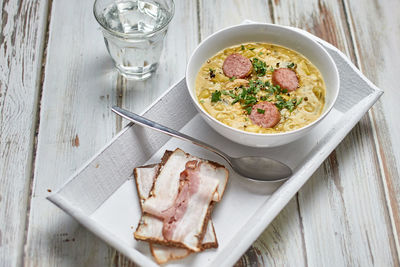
[325,19]
[22,31]
[75,122]
[221,14]
[347,213]
[376,37]
[342,204]
[81,89]
[281,244]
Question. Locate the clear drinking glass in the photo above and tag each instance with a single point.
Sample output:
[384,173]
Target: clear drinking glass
[134,32]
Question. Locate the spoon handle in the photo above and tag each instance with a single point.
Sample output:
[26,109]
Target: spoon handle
[161,128]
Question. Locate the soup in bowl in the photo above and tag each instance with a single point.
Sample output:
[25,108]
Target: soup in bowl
[262,85]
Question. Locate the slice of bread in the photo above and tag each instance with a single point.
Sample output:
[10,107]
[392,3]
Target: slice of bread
[144,180]
[195,222]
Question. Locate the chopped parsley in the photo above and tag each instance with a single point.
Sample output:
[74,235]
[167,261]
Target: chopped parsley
[258,90]
[259,67]
[232,78]
[224,92]
[290,104]
[252,48]
[216,96]
[261,53]
[291,65]
[242,47]
[299,101]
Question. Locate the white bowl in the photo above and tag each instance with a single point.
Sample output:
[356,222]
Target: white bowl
[267,33]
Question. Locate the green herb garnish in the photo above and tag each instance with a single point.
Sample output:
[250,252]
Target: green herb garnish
[242,47]
[252,48]
[232,78]
[259,67]
[290,104]
[258,90]
[299,101]
[216,96]
[291,65]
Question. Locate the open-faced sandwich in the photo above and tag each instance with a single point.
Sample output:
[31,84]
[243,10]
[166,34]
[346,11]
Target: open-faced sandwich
[177,197]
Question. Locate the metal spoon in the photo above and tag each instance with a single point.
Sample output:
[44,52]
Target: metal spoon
[255,168]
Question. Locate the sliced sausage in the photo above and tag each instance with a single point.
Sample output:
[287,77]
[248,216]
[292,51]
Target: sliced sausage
[269,118]
[286,78]
[238,66]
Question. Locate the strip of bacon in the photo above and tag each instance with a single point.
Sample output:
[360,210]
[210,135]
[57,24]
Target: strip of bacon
[144,178]
[167,184]
[163,254]
[182,204]
[190,207]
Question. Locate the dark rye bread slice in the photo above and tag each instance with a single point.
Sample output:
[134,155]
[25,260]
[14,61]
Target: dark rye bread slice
[144,179]
[149,227]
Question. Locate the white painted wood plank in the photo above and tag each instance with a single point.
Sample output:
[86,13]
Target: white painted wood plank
[66,86]
[376,35]
[281,243]
[217,15]
[75,122]
[22,31]
[342,206]
[81,88]
[325,19]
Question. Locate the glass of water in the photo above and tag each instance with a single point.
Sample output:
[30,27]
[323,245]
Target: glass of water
[134,32]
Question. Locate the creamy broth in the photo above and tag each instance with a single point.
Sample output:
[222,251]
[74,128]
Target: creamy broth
[223,98]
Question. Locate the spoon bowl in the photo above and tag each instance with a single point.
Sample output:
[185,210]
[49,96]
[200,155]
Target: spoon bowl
[251,167]
[260,168]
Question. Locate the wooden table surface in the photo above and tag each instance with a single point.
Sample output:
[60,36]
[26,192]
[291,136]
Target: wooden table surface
[57,84]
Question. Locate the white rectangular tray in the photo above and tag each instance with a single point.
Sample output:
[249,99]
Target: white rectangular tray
[102,196]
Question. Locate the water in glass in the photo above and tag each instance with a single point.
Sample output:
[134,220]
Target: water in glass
[134,32]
